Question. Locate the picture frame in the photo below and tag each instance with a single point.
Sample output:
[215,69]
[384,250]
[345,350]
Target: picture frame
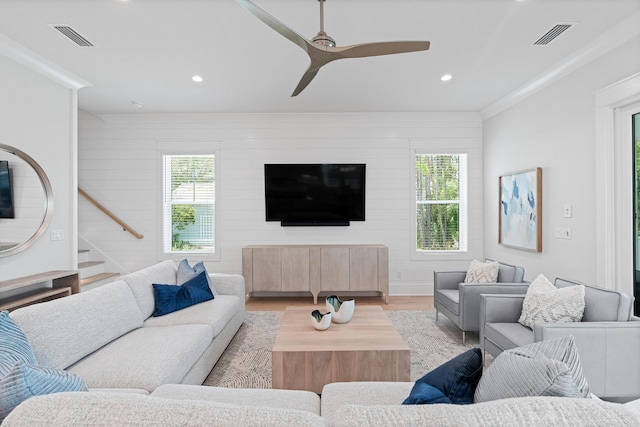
[520,210]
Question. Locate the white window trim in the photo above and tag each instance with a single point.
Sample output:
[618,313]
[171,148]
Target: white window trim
[187,147]
[417,254]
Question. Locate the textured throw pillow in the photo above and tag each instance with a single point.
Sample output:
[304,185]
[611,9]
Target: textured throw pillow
[185,273]
[454,381]
[544,303]
[482,272]
[546,368]
[14,346]
[170,298]
[27,380]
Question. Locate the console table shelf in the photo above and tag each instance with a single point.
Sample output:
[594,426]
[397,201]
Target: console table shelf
[316,268]
[63,283]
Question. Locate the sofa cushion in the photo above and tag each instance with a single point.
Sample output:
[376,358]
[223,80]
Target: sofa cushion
[482,272]
[506,273]
[508,335]
[185,273]
[544,303]
[171,298]
[146,357]
[215,313]
[65,330]
[273,398]
[141,283]
[546,368]
[602,305]
[450,298]
[108,409]
[454,381]
[370,393]
[27,380]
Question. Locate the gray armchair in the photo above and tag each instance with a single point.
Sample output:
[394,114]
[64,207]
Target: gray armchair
[608,337]
[460,301]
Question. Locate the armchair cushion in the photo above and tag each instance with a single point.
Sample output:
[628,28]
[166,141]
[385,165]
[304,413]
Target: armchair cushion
[482,272]
[544,303]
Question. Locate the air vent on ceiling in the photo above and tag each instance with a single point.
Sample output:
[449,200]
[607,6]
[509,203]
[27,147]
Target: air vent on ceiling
[552,34]
[73,35]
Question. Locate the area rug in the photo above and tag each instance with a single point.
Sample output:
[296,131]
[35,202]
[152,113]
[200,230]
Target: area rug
[246,363]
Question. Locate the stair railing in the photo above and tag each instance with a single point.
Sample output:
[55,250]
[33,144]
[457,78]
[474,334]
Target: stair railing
[110,214]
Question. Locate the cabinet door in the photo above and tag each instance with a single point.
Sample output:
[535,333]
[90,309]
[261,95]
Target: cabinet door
[334,269]
[363,269]
[267,270]
[295,269]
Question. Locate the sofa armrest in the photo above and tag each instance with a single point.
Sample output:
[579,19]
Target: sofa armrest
[229,284]
[448,279]
[609,354]
[470,300]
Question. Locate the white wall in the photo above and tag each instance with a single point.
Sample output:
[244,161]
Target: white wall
[119,166]
[555,129]
[37,116]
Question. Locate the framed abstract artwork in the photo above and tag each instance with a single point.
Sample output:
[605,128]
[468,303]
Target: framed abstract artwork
[520,218]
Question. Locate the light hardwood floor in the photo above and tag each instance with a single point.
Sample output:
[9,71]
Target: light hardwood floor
[394,302]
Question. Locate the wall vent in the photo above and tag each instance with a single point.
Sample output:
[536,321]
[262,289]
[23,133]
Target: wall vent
[72,35]
[552,34]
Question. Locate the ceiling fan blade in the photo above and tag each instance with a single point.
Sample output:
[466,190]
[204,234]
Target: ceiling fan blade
[275,24]
[378,48]
[306,79]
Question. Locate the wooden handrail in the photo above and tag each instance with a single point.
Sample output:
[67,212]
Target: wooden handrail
[110,214]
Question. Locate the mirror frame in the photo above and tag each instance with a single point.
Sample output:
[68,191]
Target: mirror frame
[48,200]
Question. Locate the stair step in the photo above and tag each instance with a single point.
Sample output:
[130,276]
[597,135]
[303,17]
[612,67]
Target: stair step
[90,268]
[83,255]
[97,278]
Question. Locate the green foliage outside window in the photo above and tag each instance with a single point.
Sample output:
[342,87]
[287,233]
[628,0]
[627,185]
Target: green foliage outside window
[438,202]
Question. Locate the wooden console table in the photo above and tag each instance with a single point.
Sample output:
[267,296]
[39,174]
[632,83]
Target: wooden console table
[316,268]
[63,283]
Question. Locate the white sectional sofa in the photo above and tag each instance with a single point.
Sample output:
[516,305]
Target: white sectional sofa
[108,336]
[341,404]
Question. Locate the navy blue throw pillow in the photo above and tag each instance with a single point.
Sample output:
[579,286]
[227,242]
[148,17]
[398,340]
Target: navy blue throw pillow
[454,381]
[170,298]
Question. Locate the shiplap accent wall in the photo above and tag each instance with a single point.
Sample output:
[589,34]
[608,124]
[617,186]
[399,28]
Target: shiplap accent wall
[119,165]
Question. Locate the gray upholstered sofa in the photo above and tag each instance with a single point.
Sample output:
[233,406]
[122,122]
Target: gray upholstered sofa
[108,336]
[342,404]
[608,337]
[460,301]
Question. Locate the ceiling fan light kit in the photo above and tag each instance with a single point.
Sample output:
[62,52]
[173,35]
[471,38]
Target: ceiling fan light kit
[322,48]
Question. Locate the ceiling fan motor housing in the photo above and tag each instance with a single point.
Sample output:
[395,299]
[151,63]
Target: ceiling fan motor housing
[324,39]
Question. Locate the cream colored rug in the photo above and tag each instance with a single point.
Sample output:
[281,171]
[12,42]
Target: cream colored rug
[246,363]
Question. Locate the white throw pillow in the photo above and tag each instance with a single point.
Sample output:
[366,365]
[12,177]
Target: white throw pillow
[482,272]
[544,303]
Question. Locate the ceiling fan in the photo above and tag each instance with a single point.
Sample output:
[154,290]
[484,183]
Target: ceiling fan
[322,48]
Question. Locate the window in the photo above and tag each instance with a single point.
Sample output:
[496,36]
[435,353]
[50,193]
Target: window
[441,202]
[189,200]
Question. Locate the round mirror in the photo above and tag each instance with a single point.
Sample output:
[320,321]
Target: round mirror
[26,201]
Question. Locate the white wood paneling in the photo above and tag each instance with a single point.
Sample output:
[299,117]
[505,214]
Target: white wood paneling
[118,165]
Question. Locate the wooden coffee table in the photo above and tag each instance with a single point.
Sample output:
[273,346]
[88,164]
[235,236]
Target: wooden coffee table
[367,348]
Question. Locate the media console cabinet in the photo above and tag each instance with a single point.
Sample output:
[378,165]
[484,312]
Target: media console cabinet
[316,268]
[63,283]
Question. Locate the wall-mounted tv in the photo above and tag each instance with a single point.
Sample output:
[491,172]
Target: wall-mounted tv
[315,194]
[6,191]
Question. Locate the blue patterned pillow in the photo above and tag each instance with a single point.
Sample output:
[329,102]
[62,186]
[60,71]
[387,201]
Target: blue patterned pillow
[27,380]
[454,381]
[170,298]
[186,272]
[14,346]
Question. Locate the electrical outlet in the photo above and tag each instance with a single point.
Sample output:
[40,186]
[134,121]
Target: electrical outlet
[563,233]
[568,211]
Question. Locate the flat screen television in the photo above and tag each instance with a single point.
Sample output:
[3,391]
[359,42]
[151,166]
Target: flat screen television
[315,194]
[6,191]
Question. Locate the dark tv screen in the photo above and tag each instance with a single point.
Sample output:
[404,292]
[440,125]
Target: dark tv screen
[6,191]
[315,194]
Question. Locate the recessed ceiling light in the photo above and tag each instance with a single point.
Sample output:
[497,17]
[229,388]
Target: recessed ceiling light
[446,77]
[197,79]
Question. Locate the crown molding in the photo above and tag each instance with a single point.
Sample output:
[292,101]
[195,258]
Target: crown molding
[40,65]
[621,33]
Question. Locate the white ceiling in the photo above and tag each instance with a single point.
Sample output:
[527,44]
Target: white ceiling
[147,50]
